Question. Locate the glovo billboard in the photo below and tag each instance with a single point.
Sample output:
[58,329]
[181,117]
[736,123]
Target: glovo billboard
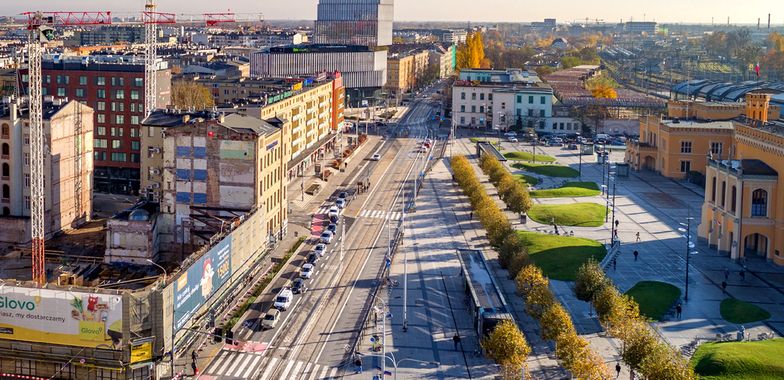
[61,317]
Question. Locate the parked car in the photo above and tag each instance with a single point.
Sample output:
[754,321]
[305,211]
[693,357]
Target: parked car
[341,203]
[298,286]
[320,249]
[334,211]
[553,143]
[332,227]
[326,237]
[512,139]
[270,319]
[312,258]
[307,271]
[283,299]
[343,195]
[376,157]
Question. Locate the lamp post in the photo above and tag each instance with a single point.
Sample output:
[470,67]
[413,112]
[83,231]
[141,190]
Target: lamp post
[580,157]
[613,230]
[689,246]
[165,275]
[395,363]
[383,334]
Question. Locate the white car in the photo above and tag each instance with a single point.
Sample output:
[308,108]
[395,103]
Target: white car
[270,319]
[334,212]
[283,299]
[376,157]
[326,237]
[320,249]
[307,271]
[341,203]
[512,139]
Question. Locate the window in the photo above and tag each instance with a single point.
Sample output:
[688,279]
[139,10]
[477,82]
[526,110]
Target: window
[100,81]
[101,106]
[138,82]
[118,157]
[60,91]
[685,146]
[6,170]
[723,193]
[519,98]
[119,94]
[27,180]
[482,109]
[542,100]
[100,118]
[135,157]
[99,156]
[473,108]
[101,93]
[482,96]
[6,192]
[100,131]
[530,99]
[83,80]
[541,113]
[135,119]
[462,108]
[685,166]
[135,94]
[733,198]
[541,124]
[134,132]
[759,203]
[99,143]
[134,145]
[27,140]
[6,149]
[473,96]
[530,112]
[716,148]
[47,79]
[45,91]
[119,119]
[462,120]
[116,144]
[713,189]
[5,132]
[80,93]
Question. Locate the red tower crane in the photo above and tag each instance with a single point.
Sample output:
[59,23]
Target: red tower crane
[41,26]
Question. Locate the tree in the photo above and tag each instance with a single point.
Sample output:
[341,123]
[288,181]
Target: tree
[602,87]
[191,95]
[555,321]
[589,280]
[507,346]
[569,61]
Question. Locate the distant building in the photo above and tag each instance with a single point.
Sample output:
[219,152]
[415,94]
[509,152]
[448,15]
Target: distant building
[225,69]
[132,236]
[452,36]
[354,22]
[68,186]
[560,43]
[640,27]
[256,39]
[107,35]
[548,23]
[405,69]
[501,100]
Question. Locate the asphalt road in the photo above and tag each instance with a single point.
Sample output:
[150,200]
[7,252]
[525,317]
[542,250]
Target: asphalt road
[314,336]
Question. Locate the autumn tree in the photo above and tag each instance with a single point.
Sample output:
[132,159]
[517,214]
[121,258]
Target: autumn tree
[555,321]
[471,54]
[507,346]
[602,87]
[590,278]
[191,95]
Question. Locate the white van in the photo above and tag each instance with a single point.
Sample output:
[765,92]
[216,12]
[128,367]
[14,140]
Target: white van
[283,299]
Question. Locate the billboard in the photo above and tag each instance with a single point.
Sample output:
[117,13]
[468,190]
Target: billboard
[141,350]
[61,317]
[200,281]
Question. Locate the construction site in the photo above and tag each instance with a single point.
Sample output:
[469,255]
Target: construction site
[96,286]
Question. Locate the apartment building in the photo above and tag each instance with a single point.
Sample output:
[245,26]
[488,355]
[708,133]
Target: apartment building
[743,210]
[68,167]
[405,70]
[113,86]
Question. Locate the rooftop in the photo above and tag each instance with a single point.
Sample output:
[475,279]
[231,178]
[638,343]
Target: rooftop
[691,123]
[318,48]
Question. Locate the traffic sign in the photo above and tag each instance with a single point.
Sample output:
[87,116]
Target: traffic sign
[372,340]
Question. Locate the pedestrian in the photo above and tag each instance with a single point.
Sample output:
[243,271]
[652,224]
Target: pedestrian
[358,363]
[456,340]
[471,215]
[193,355]
[724,287]
[615,263]
[638,236]
[678,310]
[726,273]
[742,274]
[617,369]
[635,255]
[193,367]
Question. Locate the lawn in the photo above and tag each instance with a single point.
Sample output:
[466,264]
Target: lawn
[560,256]
[569,189]
[547,169]
[760,360]
[654,297]
[527,179]
[737,311]
[572,214]
[525,156]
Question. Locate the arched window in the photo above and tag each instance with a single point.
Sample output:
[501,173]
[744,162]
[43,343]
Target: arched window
[759,203]
[713,189]
[4,132]
[6,192]
[723,193]
[5,149]
[733,198]
[6,170]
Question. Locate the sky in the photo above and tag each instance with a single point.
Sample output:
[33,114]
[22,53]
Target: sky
[684,11]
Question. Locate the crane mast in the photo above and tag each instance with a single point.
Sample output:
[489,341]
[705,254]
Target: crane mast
[37,232]
[150,55]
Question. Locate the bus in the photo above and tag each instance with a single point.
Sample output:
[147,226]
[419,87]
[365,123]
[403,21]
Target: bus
[485,300]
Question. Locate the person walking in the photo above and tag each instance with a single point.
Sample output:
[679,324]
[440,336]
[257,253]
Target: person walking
[638,236]
[635,255]
[724,287]
[678,310]
[193,367]
[726,273]
[615,263]
[617,369]
[456,340]
[358,364]
[471,215]
[742,274]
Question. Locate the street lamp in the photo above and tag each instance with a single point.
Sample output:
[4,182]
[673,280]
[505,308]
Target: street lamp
[613,230]
[165,276]
[689,252]
[395,363]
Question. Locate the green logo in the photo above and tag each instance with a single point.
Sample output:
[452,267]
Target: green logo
[7,303]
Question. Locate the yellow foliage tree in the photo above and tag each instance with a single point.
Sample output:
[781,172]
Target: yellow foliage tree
[507,346]
[602,87]
[191,95]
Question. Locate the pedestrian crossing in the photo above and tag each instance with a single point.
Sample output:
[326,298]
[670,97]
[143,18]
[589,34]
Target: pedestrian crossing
[251,365]
[380,214]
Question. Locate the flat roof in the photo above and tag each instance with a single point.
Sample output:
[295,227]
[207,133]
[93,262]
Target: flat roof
[679,123]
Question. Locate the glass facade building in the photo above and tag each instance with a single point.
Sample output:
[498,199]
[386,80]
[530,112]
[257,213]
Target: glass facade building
[355,22]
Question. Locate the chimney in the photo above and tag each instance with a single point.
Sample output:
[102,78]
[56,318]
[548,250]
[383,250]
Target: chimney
[757,106]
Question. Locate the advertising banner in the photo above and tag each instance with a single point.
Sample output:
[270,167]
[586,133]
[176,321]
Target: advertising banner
[200,281]
[61,317]
[141,350]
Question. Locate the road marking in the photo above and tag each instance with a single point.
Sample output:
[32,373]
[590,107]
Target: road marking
[270,367]
[251,367]
[283,322]
[323,373]
[333,374]
[224,366]
[237,362]
[307,368]
[224,355]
